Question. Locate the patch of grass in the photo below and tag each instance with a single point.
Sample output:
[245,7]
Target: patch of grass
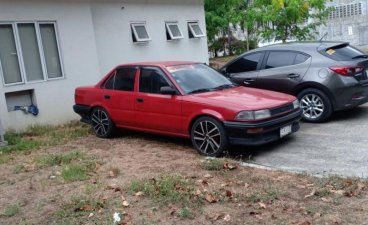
[76,211]
[212,164]
[58,159]
[37,136]
[311,210]
[12,210]
[268,193]
[351,186]
[18,169]
[80,171]
[167,189]
[74,173]
[185,213]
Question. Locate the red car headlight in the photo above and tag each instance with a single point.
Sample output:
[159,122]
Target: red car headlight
[253,115]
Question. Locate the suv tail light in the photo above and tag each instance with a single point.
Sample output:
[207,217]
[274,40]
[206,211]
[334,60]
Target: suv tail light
[347,70]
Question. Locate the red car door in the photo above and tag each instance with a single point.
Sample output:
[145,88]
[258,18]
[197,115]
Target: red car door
[119,96]
[155,111]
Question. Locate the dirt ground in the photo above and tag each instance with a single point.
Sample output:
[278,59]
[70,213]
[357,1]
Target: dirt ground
[149,179]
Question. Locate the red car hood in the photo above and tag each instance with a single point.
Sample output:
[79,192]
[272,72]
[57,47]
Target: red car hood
[243,98]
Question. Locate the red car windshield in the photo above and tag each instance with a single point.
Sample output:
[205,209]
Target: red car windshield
[196,78]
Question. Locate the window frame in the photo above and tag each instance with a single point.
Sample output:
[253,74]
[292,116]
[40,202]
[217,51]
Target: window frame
[135,34]
[191,30]
[18,46]
[169,31]
[165,76]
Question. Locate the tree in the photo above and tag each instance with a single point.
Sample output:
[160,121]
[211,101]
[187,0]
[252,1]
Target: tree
[219,15]
[288,19]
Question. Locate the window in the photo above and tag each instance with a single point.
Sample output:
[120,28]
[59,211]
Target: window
[195,30]
[300,58]
[245,64]
[280,59]
[343,52]
[122,80]
[173,31]
[152,80]
[139,32]
[29,52]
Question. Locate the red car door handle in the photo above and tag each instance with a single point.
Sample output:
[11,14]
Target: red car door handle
[140,100]
[107,96]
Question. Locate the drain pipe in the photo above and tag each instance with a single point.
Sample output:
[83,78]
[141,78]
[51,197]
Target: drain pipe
[2,133]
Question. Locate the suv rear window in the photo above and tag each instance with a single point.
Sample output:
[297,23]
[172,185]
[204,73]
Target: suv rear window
[343,52]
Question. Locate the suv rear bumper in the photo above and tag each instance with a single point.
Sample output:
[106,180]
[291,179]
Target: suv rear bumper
[84,111]
[238,131]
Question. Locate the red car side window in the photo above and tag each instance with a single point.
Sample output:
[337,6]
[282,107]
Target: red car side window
[151,80]
[122,80]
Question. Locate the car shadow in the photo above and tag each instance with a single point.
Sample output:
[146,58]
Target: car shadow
[153,137]
[349,114]
[247,153]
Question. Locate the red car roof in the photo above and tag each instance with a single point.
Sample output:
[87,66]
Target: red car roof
[160,63]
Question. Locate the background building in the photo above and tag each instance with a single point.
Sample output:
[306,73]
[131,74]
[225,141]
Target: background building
[49,47]
[348,22]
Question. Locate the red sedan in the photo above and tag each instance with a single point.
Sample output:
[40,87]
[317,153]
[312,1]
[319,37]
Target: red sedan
[186,99]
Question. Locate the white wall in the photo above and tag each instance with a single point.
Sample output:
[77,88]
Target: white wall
[94,38]
[114,38]
[79,55]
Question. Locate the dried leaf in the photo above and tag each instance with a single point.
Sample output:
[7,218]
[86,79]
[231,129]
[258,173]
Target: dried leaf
[338,192]
[258,217]
[317,215]
[306,223]
[253,213]
[227,218]
[311,194]
[205,183]
[229,194]
[125,203]
[215,216]
[179,187]
[86,207]
[210,198]
[208,175]
[93,181]
[262,205]
[139,193]
[198,192]
[113,173]
[228,166]
[246,185]
[173,211]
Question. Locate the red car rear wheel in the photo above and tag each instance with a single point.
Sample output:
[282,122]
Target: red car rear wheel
[101,123]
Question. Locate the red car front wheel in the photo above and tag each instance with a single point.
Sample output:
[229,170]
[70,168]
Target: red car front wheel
[209,137]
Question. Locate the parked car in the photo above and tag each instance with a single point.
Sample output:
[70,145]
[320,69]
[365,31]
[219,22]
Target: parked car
[188,100]
[325,76]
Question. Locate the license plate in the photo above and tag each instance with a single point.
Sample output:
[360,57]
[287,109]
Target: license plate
[285,131]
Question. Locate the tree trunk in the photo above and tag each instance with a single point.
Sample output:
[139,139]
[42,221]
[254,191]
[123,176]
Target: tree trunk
[247,39]
[229,40]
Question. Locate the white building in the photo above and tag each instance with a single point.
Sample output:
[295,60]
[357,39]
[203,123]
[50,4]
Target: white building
[49,47]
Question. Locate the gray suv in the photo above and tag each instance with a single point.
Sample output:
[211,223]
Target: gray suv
[325,76]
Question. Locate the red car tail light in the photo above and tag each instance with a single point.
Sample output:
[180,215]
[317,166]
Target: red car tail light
[347,70]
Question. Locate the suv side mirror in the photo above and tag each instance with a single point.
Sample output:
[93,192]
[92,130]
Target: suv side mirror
[167,90]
